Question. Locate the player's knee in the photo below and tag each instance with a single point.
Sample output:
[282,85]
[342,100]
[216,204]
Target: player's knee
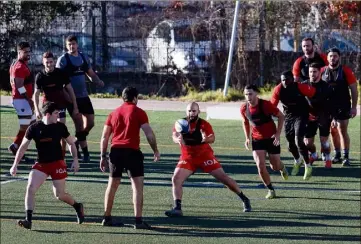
[90,125]
[176,180]
[59,195]
[325,144]
[31,189]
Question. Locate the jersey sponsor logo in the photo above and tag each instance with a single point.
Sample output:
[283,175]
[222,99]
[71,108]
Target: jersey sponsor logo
[210,162]
[60,171]
[46,139]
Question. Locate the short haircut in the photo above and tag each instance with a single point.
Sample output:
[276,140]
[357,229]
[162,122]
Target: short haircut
[308,39]
[48,55]
[334,50]
[71,38]
[129,93]
[49,107]
[316,65]
[252,87]
[22,45]
[287,73]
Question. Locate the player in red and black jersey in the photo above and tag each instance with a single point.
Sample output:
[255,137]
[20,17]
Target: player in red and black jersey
[196,153]
[22,80]
[55,85]
[320,115]
[257,114]
[311,55]
[47,134]
[341,80]
[296,109]
[124,123]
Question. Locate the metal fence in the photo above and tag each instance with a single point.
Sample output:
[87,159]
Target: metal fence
[148,39]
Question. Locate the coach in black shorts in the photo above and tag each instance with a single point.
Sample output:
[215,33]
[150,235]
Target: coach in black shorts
[125,123]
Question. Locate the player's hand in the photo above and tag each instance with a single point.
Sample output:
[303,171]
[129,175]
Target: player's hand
[246,144]
[179,139]
[276,140]
[353,112]
[13,170]
[156,156]
[103,165]
[38,115]
[99,83]
[75,166]
[334,123]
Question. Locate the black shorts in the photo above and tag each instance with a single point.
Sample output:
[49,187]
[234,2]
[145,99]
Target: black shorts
[341,113]
[266,145]
[295,126]
[85,106]
[126,159]
[323,125]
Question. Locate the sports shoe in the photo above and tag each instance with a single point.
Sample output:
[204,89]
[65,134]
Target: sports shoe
[174,213]
[142,226]
[247,206]
[271,194]
[308,173]
[284,173]
[110,222]
[295,169]
[328,164]
[24,223]
[336,160]
[346,162]
[12,149]
[80,214]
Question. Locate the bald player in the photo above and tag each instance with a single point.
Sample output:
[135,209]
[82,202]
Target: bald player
[196,153]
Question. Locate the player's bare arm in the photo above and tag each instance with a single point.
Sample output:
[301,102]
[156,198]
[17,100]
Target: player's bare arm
[354,98]
[107,131]
[19,155]
[94,77]
[151,140]
[70,140]
[177,138]
[280,123]
[247,132]
[36,103]
[69,89]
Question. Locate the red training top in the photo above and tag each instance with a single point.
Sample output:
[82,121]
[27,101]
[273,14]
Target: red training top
[197,150]
[126,122]
[19,69]
[264,131]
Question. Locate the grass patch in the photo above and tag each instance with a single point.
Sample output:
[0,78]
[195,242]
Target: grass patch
[305,211]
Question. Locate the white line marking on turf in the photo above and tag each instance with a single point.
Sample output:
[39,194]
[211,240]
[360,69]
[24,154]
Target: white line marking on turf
[199,184]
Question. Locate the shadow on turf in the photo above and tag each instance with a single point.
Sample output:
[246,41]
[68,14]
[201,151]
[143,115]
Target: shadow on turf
[193,226]
[231,164]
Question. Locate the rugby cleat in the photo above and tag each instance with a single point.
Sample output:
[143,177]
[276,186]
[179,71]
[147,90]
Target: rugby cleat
[174,213]
[142,226]
[284,173]
[24,223]
[271,194]
[336,160]
[247,206]
[80,214]
[308,173]
[295,169]
[346,162]
[328,164]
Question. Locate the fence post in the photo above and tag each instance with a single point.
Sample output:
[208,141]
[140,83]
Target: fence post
[94,47]
[104,36]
